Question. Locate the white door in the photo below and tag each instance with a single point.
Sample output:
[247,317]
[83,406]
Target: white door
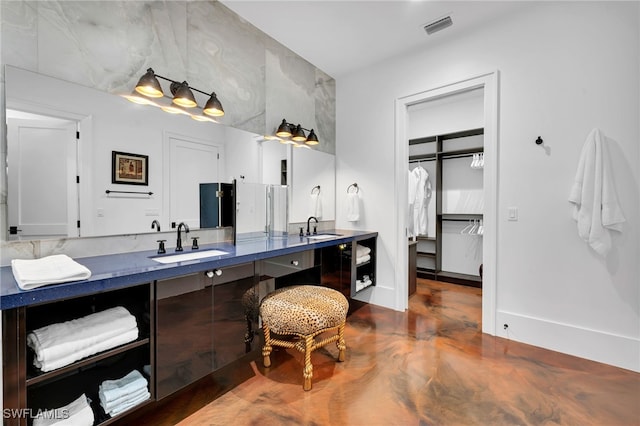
[192,162]
[42,167]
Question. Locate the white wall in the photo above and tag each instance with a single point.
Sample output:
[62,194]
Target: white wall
[565,68]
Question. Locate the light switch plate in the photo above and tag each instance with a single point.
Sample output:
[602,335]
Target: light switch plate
[513,214]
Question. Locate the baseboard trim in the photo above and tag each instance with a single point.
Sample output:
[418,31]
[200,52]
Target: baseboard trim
[607,348]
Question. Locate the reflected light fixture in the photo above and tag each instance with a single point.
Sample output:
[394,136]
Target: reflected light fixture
[149,87]
[296,133]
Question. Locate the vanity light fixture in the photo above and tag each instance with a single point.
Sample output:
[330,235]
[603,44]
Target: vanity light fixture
[149,87]
[296,133]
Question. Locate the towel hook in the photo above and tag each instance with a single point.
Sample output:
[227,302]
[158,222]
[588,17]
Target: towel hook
[314,188]
[355,186]
[539,141]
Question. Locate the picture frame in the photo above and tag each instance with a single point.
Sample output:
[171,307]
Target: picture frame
[129,169]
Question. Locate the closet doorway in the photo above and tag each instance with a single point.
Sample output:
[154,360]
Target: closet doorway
[447,137]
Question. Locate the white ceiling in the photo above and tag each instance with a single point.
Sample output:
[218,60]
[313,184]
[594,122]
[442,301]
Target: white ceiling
[340,36]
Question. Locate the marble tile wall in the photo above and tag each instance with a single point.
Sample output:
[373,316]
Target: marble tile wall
[108,45]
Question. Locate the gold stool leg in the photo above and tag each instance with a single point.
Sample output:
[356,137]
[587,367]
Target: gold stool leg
[266,349]
[308,368]
[342,346]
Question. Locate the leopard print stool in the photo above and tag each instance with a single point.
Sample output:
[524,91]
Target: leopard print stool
[303,311]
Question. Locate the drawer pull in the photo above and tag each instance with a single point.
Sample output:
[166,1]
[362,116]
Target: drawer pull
[216,272]
[295,262]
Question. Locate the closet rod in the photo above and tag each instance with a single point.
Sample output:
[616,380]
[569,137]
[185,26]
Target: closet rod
[425,157]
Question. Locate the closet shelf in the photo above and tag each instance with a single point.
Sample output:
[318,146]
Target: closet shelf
[425,238]
[41,377]
[426,254]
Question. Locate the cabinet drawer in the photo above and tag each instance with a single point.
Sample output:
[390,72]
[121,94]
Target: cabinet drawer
[287,264]
[232,273]
[181,285]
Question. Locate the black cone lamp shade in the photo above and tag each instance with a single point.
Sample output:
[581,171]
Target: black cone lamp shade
[299,135]
[213,107]
[182,95]
[312,139]
[149,85]
[284,131]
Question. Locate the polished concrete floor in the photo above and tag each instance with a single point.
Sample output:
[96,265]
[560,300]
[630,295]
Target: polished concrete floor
[430,365]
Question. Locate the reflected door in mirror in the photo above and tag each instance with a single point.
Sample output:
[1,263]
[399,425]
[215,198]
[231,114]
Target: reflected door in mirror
[192,163]
[42,184]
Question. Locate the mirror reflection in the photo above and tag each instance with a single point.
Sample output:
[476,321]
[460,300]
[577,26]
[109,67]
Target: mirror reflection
[61,137]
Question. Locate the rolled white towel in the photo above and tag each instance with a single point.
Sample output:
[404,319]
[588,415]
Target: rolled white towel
[59,268]
[363,259]
[76,413]
[61,361]
[59,340]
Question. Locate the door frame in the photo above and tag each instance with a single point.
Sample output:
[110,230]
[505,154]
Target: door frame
[489,82]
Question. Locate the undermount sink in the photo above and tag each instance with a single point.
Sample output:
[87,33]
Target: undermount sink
[322,236]
[193,255]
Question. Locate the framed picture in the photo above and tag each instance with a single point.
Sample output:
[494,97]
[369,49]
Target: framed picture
[129,169]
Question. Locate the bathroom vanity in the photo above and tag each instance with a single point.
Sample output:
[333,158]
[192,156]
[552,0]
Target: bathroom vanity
[195,314]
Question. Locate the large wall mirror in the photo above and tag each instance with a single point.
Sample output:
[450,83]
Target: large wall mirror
[61,172]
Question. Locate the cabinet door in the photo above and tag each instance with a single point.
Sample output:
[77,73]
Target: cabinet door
[184,340]
[336,268]
[234,320]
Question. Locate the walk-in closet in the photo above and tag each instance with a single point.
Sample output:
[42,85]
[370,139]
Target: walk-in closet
[446,188]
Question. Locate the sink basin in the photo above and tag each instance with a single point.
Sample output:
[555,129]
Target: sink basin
[192,255]
[323,236]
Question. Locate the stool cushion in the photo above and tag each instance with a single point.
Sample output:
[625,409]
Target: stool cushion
[303,309]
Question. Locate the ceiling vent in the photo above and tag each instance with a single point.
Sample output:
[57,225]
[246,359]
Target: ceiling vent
[438,24]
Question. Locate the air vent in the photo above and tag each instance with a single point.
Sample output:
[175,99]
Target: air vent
[438,24]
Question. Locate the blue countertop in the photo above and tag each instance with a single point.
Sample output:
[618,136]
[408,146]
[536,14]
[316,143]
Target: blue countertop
[111,272]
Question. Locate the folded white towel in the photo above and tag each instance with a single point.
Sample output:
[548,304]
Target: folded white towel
[130,404]
[121,339]
[362,250]
[363,259]
[315,204]
[353,207]
[121,394]
[59,268]
[596,208]
[76,413]
[114,390]
[81,337]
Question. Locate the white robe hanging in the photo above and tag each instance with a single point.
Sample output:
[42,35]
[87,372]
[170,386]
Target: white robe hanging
[421,200]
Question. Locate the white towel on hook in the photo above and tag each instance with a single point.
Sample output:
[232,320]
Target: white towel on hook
[353,207]
[593,195]
[315,204]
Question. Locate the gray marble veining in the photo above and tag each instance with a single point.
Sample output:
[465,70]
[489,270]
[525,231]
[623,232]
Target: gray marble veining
[108,45]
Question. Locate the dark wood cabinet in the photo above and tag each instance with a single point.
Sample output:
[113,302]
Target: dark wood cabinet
[184,332]
[26,386]
[201,324]
[234,318]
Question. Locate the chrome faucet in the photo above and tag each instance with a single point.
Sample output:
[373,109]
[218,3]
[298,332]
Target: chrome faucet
[186,231]
[155,224]
[314,228]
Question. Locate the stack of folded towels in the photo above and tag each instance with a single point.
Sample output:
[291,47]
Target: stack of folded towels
[119,395]
[77,413]
[61,344]
[363,254]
